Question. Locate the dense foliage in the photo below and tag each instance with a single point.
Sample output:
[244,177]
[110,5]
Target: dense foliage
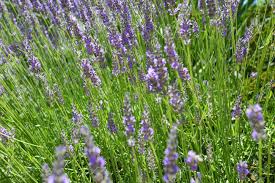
[137,91]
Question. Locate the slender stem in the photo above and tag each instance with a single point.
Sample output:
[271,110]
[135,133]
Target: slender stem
[260,161]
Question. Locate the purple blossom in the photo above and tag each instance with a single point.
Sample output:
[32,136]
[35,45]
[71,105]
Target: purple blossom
[90,73]
[128,35]
[185,23]
[58,175]
[116,41]
[253,74]
[242,170]
[74,27]
[185,29]
[183,73]
[103,15]
[148,27]
[96,162]
[175,98]
[111,124]
[114,5]
[255,116]
[76,116]
[211,6]
[93,117]
[192,160]
[170,50]
[146,132]
[237,111]
[157,74]
[171,156]
[34,64]
[5,135]
[129,120]
[241,48]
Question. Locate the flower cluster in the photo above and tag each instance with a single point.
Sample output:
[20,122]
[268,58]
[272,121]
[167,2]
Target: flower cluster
[34,64]
[241,48]
[176,99]
[6,135]
[170,51]
[255,116]
[111,124]
[58,175]
[192,160]
[129,120]
[146,132]
[171,156]
[157,74]
[92,115]
[96,162]
[242,170]
[90,73]
[237,111]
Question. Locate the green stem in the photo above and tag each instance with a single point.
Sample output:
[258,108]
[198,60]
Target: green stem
[260,161]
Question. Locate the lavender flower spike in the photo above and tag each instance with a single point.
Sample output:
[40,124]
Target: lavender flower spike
[96,162]
[255,116]
[58,175]
[237,111]
[111,124]
[90,73]
[129,120]
[146,132]
[5,135]
[242,170]
[171,156]
[170,51]
[192,160]
[34,64]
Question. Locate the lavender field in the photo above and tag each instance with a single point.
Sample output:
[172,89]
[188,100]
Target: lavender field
[137,91]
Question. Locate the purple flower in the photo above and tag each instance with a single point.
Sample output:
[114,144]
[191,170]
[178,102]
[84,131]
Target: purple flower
[58,175]
[34,64]
[183,73]
[171,156]
[157,75]
[237,111]
[255,116]
[114,5]
[185,22]
[90,73]
[77,120]
[170,51]
[176,99]
[76,116]
[111,124]
[211,6]
[192,160]
[104,16]
[129,120]
[93,117]
[185,30]
[5,135]
[242,170]
[148,27]
[146,132]
[241,48]
[128,35]
[253,74]
[96,162]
